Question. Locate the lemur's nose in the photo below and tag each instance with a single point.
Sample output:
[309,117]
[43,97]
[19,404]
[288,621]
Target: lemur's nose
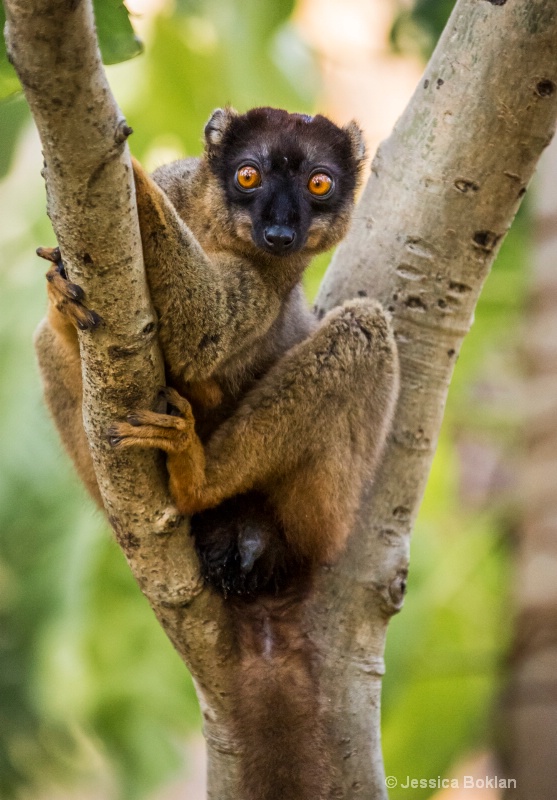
[279,237]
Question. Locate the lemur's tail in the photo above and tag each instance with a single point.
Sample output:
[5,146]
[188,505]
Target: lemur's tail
[277,714]
[277,711]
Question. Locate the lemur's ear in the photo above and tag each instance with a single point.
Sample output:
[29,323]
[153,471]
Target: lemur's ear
[218,122]
[357,140]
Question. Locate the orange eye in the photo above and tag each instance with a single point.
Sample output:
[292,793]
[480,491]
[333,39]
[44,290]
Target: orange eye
[320,184]
[248,177]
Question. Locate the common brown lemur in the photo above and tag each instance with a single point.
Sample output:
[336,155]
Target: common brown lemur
[275,418]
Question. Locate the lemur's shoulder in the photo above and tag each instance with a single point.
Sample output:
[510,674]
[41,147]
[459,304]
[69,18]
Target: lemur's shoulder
[178,181]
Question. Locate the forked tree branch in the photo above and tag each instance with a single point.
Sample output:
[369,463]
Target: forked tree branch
[443,191]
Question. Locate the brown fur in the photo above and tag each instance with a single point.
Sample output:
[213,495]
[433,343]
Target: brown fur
[278,419]
[277,716]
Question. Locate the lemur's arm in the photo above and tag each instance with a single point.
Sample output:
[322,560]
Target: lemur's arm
[204,313]
[206,310]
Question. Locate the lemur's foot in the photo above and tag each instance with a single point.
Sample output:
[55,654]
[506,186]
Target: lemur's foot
[67,297]
[241,547]
[169,432]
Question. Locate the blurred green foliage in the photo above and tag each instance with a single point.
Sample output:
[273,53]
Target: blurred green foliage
[419,26]
[8,79]
[90,689]
[13,115]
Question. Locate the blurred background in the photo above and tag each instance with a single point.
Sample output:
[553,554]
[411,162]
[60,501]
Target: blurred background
[94,703]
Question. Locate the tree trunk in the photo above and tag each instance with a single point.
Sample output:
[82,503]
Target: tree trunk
[443,191]
[530,701]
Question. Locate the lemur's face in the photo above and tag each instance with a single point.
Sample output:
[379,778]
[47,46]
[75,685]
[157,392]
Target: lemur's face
[289,179]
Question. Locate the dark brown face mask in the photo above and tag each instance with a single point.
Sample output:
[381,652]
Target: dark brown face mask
[285,170]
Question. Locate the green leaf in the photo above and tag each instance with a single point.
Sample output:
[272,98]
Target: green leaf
[117,39]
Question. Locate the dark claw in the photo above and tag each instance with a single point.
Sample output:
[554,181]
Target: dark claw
[133,420]
[94,319]
[61,270]
[113,438]
[75,291]
[160,404]
[90,321]
[87,319]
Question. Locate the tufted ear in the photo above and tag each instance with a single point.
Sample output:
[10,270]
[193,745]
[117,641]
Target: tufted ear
[215,128]
[357,140]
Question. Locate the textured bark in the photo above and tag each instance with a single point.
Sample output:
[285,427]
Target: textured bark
[529,730]
[442,193]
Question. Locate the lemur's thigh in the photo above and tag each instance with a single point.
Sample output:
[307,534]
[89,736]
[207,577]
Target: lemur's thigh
[313,426]
[305,436]
[58,356]
[332,391]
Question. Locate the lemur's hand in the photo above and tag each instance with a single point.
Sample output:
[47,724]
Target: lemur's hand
[170,432]
[65,296]
[174,433]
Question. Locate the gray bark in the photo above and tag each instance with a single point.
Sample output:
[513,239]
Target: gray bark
[443,191]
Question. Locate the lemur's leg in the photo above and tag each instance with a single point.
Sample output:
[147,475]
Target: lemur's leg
[58,355]
[305,436]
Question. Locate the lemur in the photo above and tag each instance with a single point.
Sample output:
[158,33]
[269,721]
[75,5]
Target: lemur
[275,418]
